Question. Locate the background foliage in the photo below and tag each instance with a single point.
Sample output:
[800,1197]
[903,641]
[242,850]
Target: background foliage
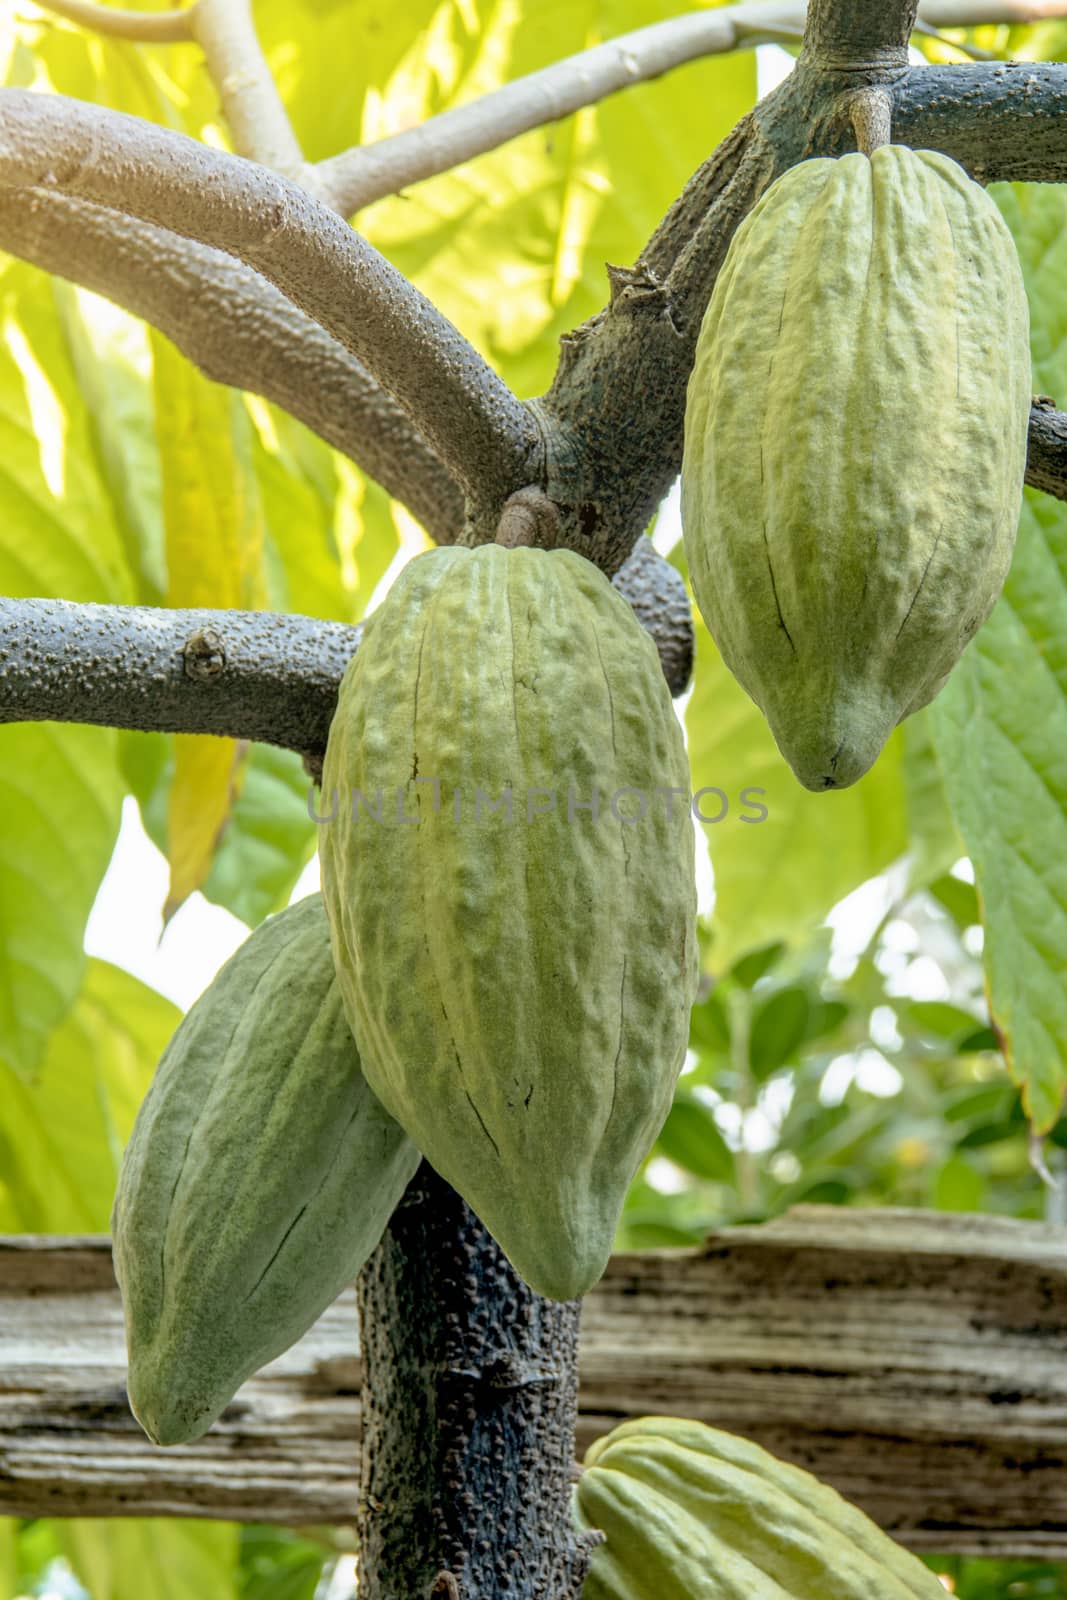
[853,1062]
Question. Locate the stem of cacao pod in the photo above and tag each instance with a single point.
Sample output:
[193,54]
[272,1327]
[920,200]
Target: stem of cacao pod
[871,113]
[469,1402]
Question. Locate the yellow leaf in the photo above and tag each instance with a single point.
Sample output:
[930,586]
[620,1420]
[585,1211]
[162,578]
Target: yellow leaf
[208,773]
[213,525]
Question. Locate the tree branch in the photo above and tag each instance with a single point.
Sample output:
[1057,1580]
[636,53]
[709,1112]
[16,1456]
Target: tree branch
[615,413]
[357,177]
[239,330]
[1046,456]
[251,104]
[262,675]
[145,27]
[469,1386]
[258,675]
[857,33]
[974,13]
[469,417]
[1001,122]
[366,173]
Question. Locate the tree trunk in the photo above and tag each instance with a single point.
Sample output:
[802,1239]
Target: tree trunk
[469,1404]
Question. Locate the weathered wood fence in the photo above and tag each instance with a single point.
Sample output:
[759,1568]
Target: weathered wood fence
[916,1360]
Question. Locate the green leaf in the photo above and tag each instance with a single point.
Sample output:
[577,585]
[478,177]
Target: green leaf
[751,968]
[111,358]
[154,1558]
[1002,728]
[778,878]
[980,1039]
[279,1564]
[934,842]
[958,1186]
[824,1018]
[61,798]
[61,1139]
[959,899]
[779,1027]
[690,1138]
[937,1016]
[709,1027]
[269,838]
[987,1101]
[1002,722]
[9,1569]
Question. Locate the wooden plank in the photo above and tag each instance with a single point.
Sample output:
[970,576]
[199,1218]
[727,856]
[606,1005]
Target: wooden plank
[916,1360]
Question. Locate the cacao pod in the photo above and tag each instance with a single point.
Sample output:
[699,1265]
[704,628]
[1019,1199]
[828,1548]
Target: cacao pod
[259,1176]
[518,979]
[696,1514]
[855,440]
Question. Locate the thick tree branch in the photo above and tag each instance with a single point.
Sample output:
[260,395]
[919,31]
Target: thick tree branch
[238,329]
[1001,122]
[263,675]
[1046,457]
[469,1405]
[260,675]
[469,417]
[855,32]
[145,27]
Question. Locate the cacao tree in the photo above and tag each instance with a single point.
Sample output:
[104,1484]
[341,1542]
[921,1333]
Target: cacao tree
[334,379]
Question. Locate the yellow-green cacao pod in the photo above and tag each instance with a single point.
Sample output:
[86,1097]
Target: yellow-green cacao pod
[519,978]
[691,1513]
[855,441]
[259,1177]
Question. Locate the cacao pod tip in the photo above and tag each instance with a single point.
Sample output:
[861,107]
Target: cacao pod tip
[839,743]
[164,1422]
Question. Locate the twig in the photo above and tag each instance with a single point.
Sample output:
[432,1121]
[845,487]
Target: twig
[257,119]
[356,177]
[470,418]
[238,329]
[145,27]
[975,13]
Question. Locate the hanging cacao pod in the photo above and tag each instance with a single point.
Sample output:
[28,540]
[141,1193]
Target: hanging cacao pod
[259,1176]
[518,967]
[855,440]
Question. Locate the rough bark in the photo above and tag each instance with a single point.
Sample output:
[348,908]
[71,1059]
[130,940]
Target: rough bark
[264,675]
[1046,456]
[468,1416]
[238,329]
[469,417]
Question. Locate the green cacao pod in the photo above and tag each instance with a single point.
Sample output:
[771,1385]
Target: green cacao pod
[695,1514]
[259,1176]
[518,979]
[855,440]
